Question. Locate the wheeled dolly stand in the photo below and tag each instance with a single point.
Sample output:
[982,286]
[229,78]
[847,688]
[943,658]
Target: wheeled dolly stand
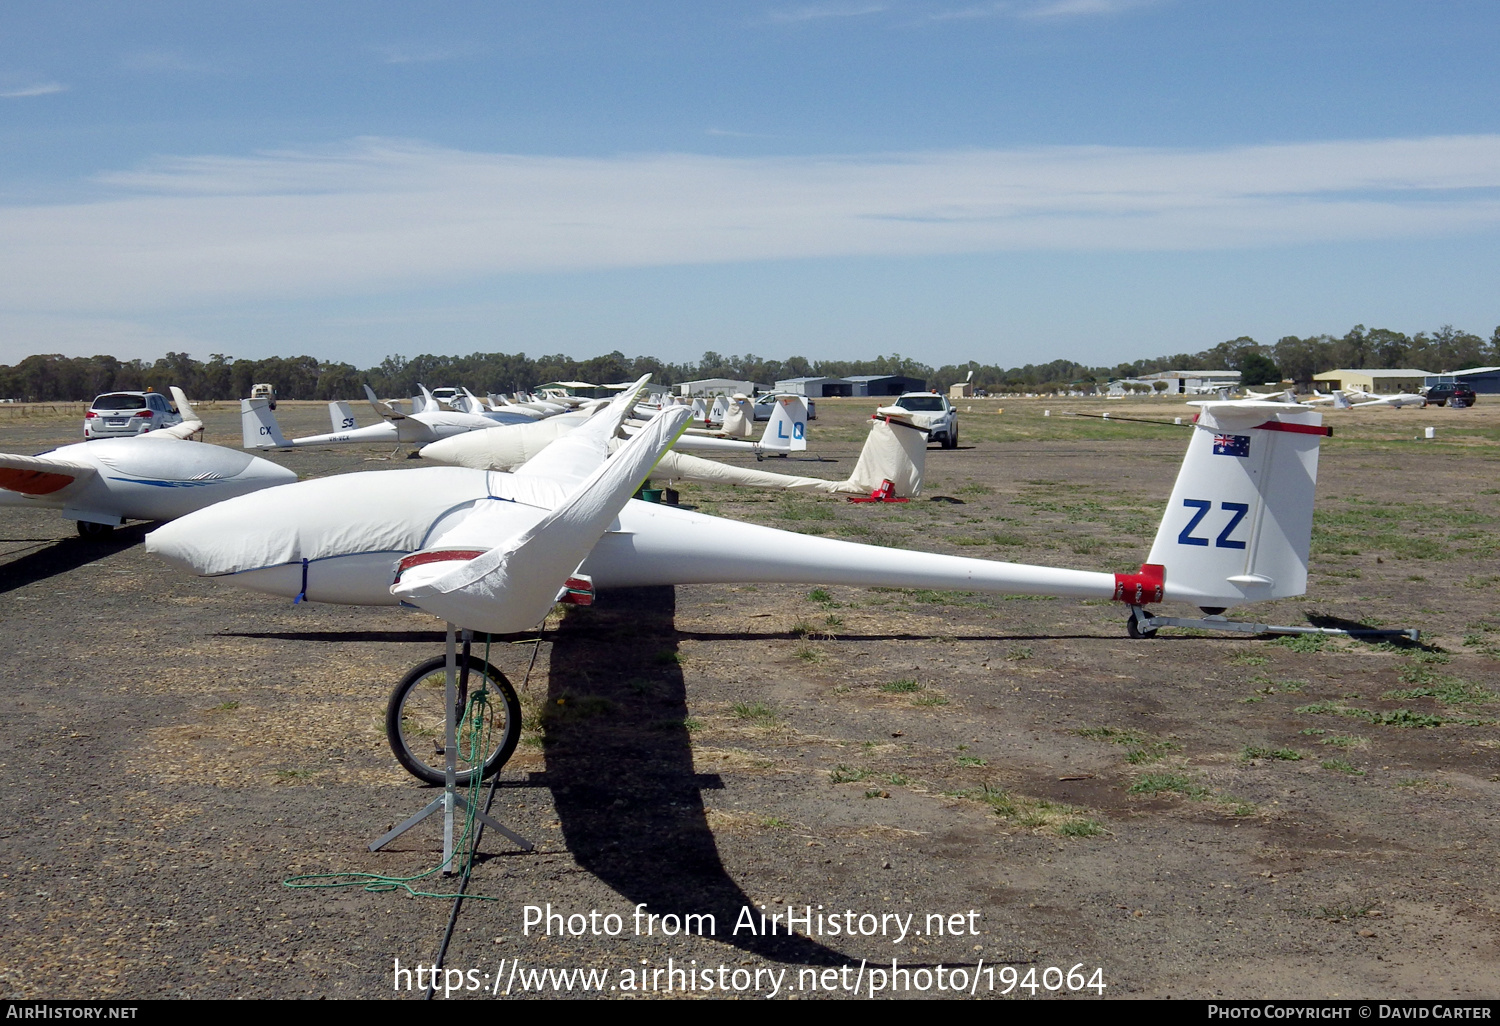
[1141,624]
[450,801]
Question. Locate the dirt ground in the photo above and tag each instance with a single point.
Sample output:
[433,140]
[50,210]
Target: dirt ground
[1195,816]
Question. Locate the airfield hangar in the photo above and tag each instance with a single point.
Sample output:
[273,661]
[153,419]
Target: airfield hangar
[856,385]
[1392,381]
[1483,380]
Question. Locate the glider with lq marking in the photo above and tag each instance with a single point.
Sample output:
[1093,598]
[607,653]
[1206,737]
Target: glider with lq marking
[492,551]
[154,476]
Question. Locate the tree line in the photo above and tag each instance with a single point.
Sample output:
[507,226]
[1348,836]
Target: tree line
[54,378]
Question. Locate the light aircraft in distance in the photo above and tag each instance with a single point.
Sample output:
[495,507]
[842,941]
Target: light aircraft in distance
[492,552]
[261,431]
[102,484]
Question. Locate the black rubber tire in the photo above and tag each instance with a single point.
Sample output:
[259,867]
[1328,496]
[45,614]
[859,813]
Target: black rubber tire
[414,718]
[1134,630]
[95,532]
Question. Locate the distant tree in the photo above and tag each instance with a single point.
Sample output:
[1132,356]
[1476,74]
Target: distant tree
[1257,368]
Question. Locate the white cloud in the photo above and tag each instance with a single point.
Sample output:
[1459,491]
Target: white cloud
[1081,8]
[817,12]
[40,89]
[425,54]
[379,215]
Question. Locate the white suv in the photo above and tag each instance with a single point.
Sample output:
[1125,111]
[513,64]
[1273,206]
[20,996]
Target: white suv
[119,414]
[935,414]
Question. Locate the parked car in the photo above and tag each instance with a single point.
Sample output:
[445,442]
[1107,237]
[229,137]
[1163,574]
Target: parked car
[766,403]
[1457,393]
[935,413]
[118,414]
[449,397]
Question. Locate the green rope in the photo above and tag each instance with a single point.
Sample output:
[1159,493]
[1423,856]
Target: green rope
[479,733]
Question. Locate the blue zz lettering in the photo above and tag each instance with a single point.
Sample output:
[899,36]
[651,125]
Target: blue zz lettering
[1223,541]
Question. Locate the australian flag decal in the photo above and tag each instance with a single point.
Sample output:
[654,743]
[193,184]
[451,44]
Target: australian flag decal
[1231,445]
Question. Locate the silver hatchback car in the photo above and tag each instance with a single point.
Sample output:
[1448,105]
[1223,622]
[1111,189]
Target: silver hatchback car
[118,414]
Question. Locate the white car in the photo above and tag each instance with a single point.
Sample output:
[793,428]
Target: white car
[766,403]
[120,414]
[935,414]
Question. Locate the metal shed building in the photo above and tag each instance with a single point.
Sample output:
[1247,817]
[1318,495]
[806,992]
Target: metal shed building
[885,384]
[1484,380]
[816,388]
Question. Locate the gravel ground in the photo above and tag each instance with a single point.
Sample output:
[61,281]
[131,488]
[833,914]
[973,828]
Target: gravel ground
[1196,816]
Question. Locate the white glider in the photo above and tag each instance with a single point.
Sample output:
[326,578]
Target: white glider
[261,431]
[102,484]
[895,451]
[1236,529]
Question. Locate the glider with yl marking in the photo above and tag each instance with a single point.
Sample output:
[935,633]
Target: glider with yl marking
[102,484]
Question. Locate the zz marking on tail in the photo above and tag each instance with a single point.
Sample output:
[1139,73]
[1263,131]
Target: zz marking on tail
[1223,541]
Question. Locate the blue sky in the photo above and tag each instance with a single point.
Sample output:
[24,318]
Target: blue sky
[1000,181]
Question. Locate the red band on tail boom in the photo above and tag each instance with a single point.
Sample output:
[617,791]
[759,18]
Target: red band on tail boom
[1147,586]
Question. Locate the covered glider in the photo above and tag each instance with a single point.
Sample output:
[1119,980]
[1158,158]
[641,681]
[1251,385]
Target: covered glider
[154,476]
[490,550]
[895,451]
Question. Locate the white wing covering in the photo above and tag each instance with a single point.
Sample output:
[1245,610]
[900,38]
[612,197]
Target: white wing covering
[680,466]
[38,475]
[576,454]
[896,451]
[326,517]
[511,587]
[739,419]
[1239,524]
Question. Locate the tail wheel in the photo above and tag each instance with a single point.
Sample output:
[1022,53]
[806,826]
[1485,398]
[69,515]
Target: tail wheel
[1133,626]
[89,531]
[416,720]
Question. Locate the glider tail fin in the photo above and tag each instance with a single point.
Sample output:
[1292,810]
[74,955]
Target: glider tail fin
[258,425]
[786,431]
[1239,523]
[341,416]
[191,425]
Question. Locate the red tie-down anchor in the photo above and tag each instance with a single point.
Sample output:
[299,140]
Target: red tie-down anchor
[885,493]
[1137,589]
